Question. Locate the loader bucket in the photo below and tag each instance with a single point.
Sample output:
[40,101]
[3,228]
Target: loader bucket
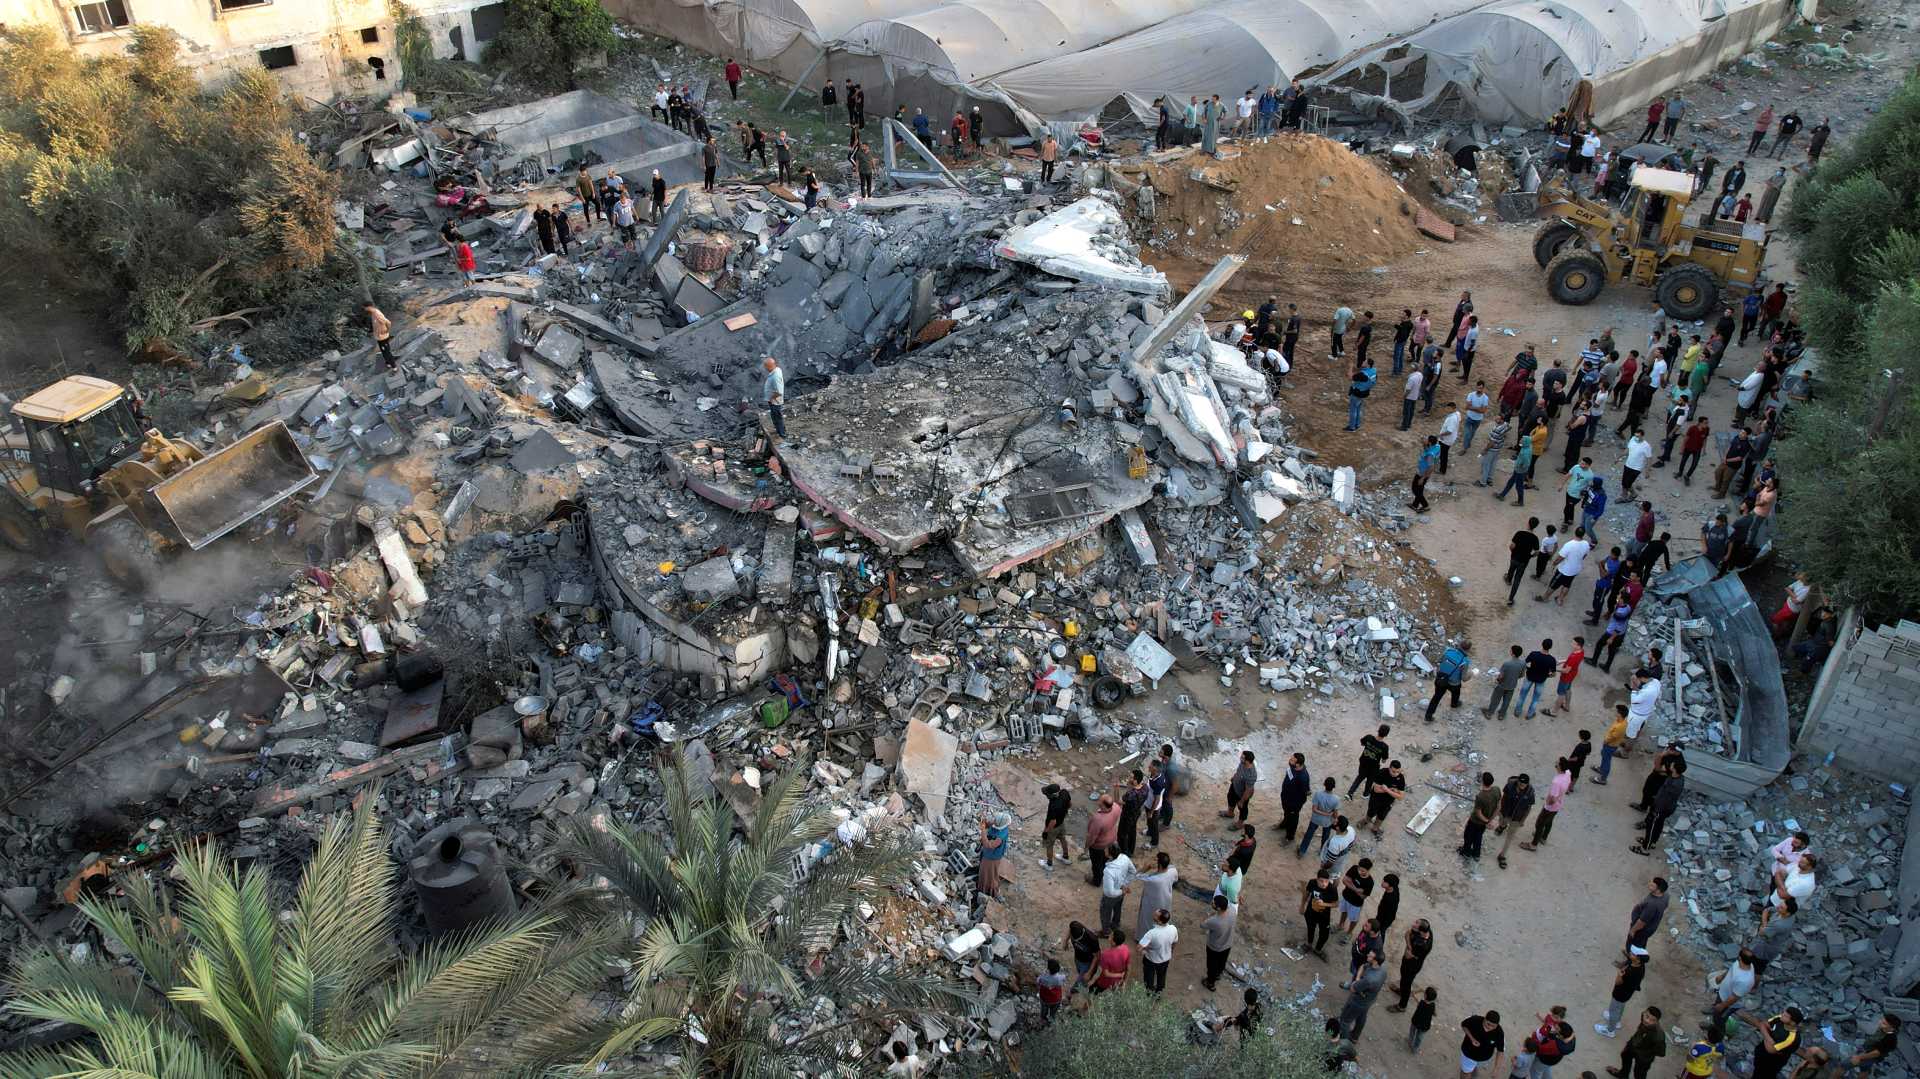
[226,489]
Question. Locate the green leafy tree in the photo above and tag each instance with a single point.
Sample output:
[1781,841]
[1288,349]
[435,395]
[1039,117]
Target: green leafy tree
[1860,306]
[1134,1032]
[221,986]
[728,949]
[545,41]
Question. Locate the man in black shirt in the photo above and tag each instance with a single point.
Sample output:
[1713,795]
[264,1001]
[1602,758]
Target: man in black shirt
[1364,336]
[1295,787]
[1384,789]
[1292,335]
[1779,1038]
[1356,884]
[1650,556]
[1482,1040]
[1263,319]
[1402,330]
[1419,943]
[1317,901]
[1516,802]
[1520,550]
[1373,750]
[1646,916]
[1879,1047]
[1059,801]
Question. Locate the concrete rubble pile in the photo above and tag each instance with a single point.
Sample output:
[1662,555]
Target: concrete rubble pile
[1836,965]
[546,547]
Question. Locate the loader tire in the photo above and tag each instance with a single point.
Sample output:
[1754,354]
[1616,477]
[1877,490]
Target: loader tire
[1575,277]
[126,555]
[1688,293]
[1549,239]
[18,527]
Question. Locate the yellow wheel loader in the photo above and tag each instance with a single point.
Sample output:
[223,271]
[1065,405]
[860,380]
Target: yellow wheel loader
[81,462]
[1584,245]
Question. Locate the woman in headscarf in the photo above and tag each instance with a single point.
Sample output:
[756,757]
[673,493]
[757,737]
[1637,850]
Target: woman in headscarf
[993,850]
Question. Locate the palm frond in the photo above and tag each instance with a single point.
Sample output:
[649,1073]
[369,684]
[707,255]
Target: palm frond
[343,911]
[229,974]
[636,864]
[145,926]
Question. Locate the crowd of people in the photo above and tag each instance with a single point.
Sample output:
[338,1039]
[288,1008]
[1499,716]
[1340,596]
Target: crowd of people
[1646,397]
[1345,897]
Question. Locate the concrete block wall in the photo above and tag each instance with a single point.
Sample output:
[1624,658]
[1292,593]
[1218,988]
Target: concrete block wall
[1867,710]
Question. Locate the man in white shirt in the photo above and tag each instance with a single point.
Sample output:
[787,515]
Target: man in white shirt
[1415,379]
[906,1063]
[1477,404]
[1246,105]
[1571,560]
[1115,880]
[1449,433]
[1748,397]
[1639,452]
[1733,983]
[1156,951]
[1333,853]
[660,96]
[1640,705]
[1658,375]
[1797,881]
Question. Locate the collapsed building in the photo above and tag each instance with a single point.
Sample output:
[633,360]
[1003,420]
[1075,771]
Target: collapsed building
[1020,484]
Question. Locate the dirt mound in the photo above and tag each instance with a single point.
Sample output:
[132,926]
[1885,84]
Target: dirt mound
[1291,198]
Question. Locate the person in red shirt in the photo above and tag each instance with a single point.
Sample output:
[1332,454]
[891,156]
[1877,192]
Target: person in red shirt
[1691,446]
[1115,963]
[959,134]
[1569,670]
[733,78]
[1654,112]
[463,257]
[1744,208]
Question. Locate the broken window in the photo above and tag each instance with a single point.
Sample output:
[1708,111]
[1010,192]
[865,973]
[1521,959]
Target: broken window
[370,35]
[275,59]
[101,17]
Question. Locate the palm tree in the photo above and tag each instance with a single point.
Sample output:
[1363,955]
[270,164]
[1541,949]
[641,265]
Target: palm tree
[727,945]
[221,985]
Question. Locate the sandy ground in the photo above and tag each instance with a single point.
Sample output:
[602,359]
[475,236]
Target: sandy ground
[1542,932]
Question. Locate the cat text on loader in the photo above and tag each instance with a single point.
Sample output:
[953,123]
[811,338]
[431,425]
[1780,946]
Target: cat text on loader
[82,461]
[1585,244]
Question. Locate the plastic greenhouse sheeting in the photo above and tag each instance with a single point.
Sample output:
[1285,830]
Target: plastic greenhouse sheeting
[1516,61]
[1222,48]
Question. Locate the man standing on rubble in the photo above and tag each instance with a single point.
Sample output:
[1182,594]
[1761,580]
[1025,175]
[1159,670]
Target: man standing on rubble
[1049,157]
[1116,879]
[710,158]
[773,393]
[583,184]
[659,196]
[382,328]
[863,162]
[1290,338]
[623,218]
[1675,112]
[783,157]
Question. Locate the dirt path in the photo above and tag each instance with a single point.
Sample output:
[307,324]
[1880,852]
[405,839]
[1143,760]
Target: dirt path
[1542,932]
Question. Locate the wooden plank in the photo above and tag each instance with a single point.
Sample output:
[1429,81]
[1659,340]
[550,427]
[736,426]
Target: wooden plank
[278,799]
[740,322]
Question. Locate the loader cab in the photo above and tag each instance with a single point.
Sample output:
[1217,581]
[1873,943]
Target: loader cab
[1658,201]
[76,430]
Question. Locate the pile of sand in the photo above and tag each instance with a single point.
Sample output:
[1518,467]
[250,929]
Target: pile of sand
[1291,198]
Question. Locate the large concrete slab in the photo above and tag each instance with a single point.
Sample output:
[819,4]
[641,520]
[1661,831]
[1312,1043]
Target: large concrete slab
[926,766]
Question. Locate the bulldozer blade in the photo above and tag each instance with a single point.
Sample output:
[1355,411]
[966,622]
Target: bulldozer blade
[232,486]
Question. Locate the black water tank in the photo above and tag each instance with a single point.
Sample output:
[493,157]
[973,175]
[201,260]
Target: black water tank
[460,877]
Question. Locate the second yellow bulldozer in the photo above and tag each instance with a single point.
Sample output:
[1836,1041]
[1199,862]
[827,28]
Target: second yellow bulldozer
[1584,245]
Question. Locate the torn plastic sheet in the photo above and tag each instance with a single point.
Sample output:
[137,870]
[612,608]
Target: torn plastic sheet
[1065,243]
